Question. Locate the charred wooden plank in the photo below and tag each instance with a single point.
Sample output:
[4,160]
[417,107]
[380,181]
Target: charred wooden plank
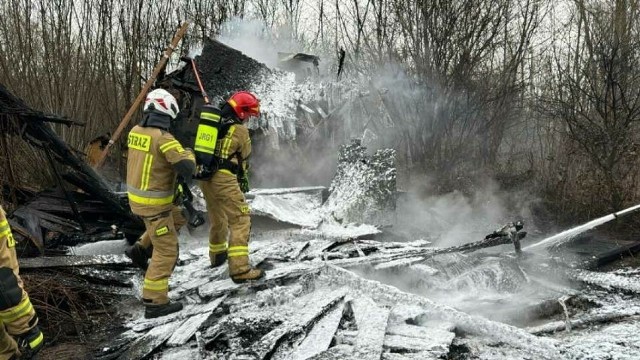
[613,255]
[320,337]
[423,355]
[122,278]
[405,338]
[608,280]
[73,261]
[413,253]
[220,287]
[585,322]
[147,343]
[311,308]
[337,352]
[188,329]
[372,324]
[54,222]
[18,229]
[143,325]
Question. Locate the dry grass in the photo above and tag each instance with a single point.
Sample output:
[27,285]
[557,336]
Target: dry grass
[69,308]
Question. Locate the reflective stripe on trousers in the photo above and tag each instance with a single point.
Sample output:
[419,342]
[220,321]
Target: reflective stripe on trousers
[235,251]
[24,308]
[156,285]
[217,248]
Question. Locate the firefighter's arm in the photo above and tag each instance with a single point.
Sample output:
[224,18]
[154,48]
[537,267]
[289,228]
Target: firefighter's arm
[183,160]
[245,150]
[245,142]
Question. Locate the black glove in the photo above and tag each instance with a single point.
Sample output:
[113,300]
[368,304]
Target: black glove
[203,173]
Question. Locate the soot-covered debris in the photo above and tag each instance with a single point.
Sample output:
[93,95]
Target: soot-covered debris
[364,188]
[83,206]
[308,307]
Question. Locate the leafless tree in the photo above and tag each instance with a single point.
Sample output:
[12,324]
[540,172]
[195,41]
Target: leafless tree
[595,92]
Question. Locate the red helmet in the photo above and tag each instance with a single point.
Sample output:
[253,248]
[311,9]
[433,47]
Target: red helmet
[244,104]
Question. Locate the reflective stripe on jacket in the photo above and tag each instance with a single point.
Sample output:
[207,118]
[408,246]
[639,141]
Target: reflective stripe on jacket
[151,178]
[236,141]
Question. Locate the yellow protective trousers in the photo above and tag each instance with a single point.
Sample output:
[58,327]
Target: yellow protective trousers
[178,221]
[164,238]
[16,312]
[229,216]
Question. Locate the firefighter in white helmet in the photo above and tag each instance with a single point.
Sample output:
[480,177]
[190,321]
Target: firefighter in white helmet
[154,161]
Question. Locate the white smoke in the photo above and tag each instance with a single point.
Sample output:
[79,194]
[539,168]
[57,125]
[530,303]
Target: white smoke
[255,40]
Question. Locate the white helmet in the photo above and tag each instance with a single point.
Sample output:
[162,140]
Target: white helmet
[161,101]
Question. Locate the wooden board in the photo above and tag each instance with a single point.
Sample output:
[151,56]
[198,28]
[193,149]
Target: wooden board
[311,308]
[188,329]
[294,270]
[371,321]
[72,261]
[320,337]
[148,342]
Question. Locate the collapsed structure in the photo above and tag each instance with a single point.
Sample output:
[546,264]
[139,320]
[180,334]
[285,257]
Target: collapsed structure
[82,207]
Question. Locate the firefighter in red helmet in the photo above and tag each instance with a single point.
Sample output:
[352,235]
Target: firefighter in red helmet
[222,150]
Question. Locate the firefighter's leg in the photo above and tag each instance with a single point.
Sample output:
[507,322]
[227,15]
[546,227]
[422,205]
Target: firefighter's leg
[237,211]
[219,226]
[165,253]
[8,346]
[142,250]
[178,221]
[16,311]
[178,217]
[145,240]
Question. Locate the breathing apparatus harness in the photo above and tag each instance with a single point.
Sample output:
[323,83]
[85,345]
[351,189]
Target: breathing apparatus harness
[214,126]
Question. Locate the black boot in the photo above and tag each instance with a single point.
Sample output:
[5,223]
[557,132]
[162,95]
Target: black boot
[218,259]
[30,343]
[139,255]
[154,311]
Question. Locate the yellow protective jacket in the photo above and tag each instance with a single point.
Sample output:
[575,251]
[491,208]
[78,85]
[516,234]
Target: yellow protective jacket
[234,146]
[17,316]
[154,160]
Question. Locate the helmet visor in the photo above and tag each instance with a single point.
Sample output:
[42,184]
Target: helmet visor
[253,110]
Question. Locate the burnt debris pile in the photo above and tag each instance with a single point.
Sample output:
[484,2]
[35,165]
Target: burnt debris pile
[82,206]
[308,306]
[223,70]
[330,297]
[301,121]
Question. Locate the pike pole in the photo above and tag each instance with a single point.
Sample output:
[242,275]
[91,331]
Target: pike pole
[136,103]
[197,74]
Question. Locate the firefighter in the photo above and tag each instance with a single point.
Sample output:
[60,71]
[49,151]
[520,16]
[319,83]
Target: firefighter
[19,320]
[225,178]
[154,161]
